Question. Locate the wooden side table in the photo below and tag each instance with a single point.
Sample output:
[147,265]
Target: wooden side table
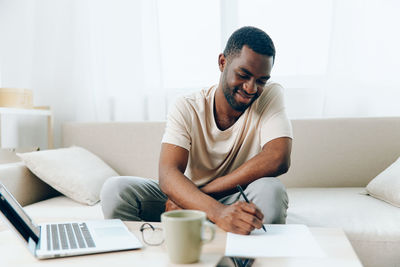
[38,111]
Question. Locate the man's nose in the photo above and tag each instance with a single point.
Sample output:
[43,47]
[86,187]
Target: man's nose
[250,87]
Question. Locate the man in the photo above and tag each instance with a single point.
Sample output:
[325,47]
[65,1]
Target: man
[236,133]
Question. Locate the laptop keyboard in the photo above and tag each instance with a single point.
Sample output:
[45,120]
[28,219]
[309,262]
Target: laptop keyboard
[68,236]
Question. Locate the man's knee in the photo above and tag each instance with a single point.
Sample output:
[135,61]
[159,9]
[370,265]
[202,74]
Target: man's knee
[271,186]
[269,195]
[117,193]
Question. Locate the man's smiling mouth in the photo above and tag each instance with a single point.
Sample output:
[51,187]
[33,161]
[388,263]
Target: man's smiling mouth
[243,94]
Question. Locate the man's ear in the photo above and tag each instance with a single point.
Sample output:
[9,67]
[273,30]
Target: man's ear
[221,62]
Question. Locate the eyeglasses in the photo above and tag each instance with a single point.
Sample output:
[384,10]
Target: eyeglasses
[151,235]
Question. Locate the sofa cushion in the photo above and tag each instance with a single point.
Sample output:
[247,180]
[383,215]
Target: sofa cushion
[25,187]
[62,208]
[386,186]
[74,171]
[371,225]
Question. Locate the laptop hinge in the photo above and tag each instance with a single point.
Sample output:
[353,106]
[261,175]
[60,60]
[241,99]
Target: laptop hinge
[32,246]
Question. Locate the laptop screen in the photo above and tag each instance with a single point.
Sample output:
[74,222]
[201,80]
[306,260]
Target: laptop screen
[14,213]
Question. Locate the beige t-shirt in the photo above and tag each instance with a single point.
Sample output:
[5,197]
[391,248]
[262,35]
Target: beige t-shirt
[214,153]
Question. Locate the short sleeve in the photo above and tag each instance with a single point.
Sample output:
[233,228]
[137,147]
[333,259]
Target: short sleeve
[275,122]
[177,131]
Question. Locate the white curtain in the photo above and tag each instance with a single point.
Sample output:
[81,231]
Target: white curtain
[118,61]
[334,57]
[122,60]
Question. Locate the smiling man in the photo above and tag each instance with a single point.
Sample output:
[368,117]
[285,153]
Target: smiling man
[234,133]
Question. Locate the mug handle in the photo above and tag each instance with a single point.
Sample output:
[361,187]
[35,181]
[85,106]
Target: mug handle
[210,226]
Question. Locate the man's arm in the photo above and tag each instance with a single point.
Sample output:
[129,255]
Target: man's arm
[272,161]
[239,218]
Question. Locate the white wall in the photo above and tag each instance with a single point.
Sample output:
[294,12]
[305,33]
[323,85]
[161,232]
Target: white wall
[16,47]
[45,27]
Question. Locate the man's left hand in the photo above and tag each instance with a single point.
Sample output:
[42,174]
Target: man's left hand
[170,205]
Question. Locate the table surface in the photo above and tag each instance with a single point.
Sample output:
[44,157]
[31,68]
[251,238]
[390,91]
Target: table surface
[333,242]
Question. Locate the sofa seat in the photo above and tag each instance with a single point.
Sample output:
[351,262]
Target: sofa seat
[62,208]
[372,225]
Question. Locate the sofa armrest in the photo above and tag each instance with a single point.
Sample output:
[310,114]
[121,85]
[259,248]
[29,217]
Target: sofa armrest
[23,184]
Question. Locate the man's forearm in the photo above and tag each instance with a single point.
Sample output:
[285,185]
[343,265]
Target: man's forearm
[264,164]
[185,193]
[244,175]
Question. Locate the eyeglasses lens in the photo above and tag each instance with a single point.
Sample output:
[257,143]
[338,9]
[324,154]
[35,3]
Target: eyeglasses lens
[152,236]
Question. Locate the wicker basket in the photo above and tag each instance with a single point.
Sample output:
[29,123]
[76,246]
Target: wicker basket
[16,98]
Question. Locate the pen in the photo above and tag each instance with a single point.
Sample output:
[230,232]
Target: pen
[245,198]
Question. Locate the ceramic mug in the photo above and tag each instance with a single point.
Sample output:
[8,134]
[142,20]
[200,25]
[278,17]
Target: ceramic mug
[183,234]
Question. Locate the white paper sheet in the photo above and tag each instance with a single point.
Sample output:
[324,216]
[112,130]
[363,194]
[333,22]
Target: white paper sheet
[280,240]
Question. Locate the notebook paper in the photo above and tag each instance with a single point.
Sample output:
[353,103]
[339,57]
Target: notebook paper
[280,240]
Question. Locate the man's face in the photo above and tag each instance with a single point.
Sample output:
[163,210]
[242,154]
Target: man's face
[244,77]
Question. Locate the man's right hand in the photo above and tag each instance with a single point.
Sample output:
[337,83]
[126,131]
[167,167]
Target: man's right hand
[239,218]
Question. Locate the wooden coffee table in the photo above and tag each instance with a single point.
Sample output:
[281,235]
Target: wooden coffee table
[333,241]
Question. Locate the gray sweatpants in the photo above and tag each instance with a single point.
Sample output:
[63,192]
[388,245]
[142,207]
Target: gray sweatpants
[139,199]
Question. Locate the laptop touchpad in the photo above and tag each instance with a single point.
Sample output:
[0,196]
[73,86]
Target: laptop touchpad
[108,232]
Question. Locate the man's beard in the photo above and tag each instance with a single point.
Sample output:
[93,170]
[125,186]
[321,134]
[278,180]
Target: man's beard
[229,94]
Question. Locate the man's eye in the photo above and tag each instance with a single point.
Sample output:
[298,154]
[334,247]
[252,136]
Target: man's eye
[242,76]
[262,82]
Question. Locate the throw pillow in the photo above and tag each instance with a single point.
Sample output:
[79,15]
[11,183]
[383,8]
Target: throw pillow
[75,172]
[386,186]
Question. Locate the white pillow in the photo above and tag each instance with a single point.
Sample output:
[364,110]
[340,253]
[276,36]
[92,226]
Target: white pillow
[386,186]
[75,172]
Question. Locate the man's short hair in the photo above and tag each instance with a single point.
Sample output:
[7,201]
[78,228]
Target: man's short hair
[256,39]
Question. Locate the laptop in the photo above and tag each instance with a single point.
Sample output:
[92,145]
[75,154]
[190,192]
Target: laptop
[65,239]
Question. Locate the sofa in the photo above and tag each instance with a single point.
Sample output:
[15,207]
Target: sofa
[332,162]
